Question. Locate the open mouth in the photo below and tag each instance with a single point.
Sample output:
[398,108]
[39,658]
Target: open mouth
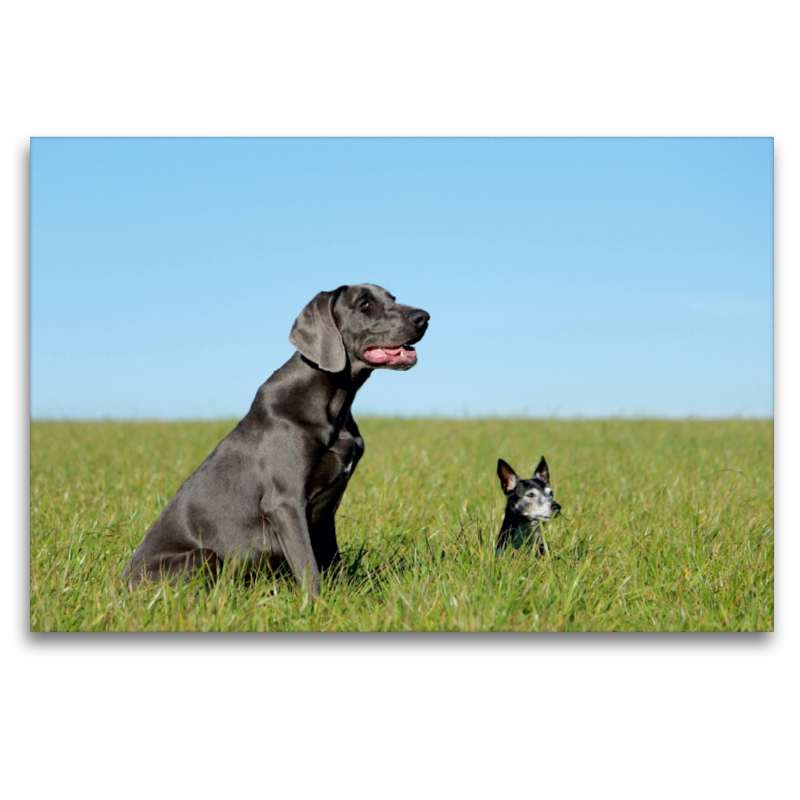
[404,355]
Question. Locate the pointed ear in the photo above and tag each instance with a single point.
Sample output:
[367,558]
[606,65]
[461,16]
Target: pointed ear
[316,335]
[542,473]
[508,478]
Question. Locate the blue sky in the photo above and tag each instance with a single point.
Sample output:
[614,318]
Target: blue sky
[564,277]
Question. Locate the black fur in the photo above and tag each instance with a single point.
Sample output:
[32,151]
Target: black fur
[529,502]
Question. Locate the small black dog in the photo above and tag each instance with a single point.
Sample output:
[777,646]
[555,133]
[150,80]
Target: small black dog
[529,502]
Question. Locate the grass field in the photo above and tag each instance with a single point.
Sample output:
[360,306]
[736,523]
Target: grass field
[668,526]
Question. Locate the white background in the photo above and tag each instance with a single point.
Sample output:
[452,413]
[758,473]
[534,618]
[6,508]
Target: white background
[392,716]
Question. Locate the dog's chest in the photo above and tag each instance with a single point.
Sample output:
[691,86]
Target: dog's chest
[348,449]
[525,533]
[337,464]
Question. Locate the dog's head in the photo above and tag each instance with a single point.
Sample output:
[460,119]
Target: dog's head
[531,498]
[361,324]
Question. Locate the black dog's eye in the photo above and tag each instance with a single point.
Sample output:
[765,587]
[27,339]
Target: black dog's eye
[365,304]
[530,494]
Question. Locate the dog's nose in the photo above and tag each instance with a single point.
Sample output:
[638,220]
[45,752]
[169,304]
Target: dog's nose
[418,317]
[555,506]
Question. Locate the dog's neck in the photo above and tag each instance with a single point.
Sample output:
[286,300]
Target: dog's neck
[520,530]
[352,376]
[337,388]
[304,391]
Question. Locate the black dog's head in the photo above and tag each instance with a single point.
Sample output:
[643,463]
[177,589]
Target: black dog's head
[531,498]
[362,324]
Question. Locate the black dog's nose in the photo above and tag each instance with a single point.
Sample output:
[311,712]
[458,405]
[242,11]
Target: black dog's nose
[418,317]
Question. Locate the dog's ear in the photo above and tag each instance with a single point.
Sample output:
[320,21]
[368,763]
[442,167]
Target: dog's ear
[508,478]
[542,473]
[316,335]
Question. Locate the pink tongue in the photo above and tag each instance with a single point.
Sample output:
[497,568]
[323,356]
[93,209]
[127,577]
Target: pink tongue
[390,355]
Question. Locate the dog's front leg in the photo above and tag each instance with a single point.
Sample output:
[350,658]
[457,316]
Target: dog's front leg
[288,520]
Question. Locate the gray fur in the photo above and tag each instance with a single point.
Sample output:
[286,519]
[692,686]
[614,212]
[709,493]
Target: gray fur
[269,491]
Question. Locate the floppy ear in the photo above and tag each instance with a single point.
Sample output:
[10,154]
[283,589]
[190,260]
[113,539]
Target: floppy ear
[316,335]
[508,478]
[542,473]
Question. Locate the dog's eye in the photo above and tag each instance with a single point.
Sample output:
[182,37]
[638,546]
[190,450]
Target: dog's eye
[365,304]
[529,494]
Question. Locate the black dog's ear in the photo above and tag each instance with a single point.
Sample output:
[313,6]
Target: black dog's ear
[542,473]
[316,335]
[508,478]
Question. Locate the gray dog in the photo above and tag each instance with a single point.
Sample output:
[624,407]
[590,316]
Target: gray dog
[269,491]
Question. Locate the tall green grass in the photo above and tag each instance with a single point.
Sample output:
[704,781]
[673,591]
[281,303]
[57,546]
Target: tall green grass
[668,526]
